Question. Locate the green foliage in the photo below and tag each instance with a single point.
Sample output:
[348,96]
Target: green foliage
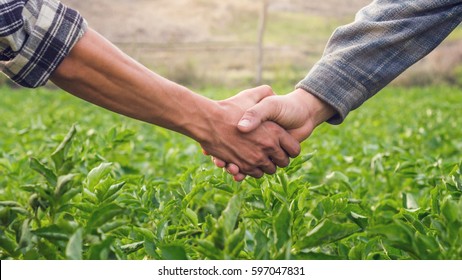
[385,185]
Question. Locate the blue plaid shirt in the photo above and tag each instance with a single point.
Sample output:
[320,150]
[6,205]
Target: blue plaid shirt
[386,38]
[35,36]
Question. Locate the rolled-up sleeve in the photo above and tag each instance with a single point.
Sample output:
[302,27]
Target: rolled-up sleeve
[386,38]
[35,36]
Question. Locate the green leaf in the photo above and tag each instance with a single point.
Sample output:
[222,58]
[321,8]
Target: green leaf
[10,204]
[283,181]
[102,250]
[52,233]
[298,162]
[398,234]
[208,249]
[8,245]
[74,246]
[148,234]
[110,226]
[101,188]
[327,232]
[111,193]
[282,224]
[71,193]
[150,248]
[229,216]
[254,214]
[261,251]
[97,174]
[192,216]
[162,229]
[59,155]
[219,237]
[21,211]
[360,220]
[450,210]
[49,175]
[409,201]
[235,242]
[103,215]
[133,247]
[63,184]
[337,176]
[173,252]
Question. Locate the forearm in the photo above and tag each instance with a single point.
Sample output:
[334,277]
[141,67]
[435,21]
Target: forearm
[98,72]
[386,38]
[43,37]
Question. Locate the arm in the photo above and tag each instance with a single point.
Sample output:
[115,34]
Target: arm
[98,72]
[34,48]
[386,38]
[360,59]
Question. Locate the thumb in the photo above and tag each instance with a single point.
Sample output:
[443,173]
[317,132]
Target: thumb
[254,116]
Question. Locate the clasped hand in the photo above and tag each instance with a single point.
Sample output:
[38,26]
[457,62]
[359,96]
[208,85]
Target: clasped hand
[259,131]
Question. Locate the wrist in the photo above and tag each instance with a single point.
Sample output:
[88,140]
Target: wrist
[197,122]
[318,110]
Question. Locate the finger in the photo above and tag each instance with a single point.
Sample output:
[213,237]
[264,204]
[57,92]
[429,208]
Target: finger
[232,169]
[256,173]
[289,144]
[218,162]
[239,177]
[256,115]
[255,95]
[268,167]
[280,158]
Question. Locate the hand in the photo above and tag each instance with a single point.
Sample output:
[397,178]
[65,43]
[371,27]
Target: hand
[255,152]
[95,70]
[299,112]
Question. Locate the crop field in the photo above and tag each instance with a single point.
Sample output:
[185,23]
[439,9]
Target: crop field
[79,182]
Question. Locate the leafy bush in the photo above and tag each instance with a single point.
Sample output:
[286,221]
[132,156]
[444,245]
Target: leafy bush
[385,185]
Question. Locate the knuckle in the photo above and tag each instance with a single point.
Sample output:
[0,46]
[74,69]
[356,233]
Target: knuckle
[273,128]
[252,113]
[246,169]
[262,161]
[271,148]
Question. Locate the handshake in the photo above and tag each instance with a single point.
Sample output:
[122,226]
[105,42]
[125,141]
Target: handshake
[251,133]
[256,131]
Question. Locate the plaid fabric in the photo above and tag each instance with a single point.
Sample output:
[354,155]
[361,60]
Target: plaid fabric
[35,36]
[386,38]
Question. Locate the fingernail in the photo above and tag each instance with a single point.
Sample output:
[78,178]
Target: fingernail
[244,123]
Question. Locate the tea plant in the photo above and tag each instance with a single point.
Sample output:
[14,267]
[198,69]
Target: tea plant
[77,182]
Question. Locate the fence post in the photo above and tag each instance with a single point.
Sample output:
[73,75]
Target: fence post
[260,44]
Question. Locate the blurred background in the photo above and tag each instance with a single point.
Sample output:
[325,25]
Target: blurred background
[202,43]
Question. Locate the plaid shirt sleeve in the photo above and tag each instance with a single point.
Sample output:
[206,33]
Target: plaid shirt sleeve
[386,38]
[35,36]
